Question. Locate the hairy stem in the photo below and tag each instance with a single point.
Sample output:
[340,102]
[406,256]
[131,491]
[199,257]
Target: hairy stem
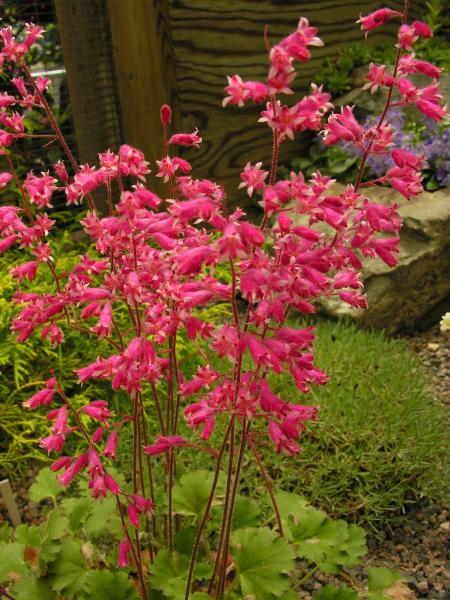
[387,105]
[268,485]
[205,517]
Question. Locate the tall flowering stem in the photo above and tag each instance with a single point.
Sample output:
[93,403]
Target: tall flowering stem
[153,267]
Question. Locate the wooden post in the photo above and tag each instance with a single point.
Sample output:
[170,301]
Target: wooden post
[85,40]
[145,72]
[10,502]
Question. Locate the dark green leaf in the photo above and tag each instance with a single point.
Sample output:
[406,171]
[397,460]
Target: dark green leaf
[263,561]
[105,585]
[169,573]
[379,579]
[12,562]
[246,513]
[330,592]
[78,510]
[183,540]
[103,518]
[55,526]
[191,493]
[69,571]
[45,486]
[29,588]
[29,535]
[6,532]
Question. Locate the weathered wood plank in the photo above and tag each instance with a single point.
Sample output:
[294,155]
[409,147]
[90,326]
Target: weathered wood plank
[90,76]
[145,69]
[10,502]
[220,37]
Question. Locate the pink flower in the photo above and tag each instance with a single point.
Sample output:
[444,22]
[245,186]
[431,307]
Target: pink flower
[103,327]
[377,76]
[431,109]
[342,127]
[165,114]
[43,397]
[4,179]
[167,168]
[253,177]
[61,463]
[422,29]
[164,443]
[133,515]
[53,443]
[60,426]
[6,100]
[7,242]
[97,410]
[186,139]
[377,18]
[406,37]
[404,158]
[281,442]
[409,64]
[112,484]
[237,94]
[132,162]
[111,445]
[124,553]
[61,171]
[190,261]
[354,299]
[40,189]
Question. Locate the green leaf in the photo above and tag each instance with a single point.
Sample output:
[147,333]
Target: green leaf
[45,486]
[330,592]
[103,518]
[330,544]
[379,579]
[55,526]
[290,503]
[29,535]
[200,596]
[6,532]
[12,561]
[69,570]
[78,510]
[105,585]
[183,540]
[169,573]
[191,493]
[263,561]
[246,513]
[33,589]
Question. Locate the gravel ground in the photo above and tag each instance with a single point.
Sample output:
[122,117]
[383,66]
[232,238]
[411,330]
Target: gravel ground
[418,545]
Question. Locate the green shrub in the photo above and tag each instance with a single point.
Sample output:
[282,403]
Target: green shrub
[24,367]
[380,441]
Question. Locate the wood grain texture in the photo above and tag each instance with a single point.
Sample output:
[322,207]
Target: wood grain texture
[215,38]
[145,70]
[84,34]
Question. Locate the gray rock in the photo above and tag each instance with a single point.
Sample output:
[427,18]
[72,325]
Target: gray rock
[400,297]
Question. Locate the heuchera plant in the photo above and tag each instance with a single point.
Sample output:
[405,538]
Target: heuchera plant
[156,259]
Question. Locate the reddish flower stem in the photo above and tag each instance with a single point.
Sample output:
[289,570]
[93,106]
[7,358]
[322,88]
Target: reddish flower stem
[137,562]
[268,485]
[3,592]
[205,517]
[226,545]
[387,105]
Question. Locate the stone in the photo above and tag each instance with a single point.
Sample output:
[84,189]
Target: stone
[400,298]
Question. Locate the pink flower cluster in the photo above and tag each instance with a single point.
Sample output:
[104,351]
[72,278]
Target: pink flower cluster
[156,259]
